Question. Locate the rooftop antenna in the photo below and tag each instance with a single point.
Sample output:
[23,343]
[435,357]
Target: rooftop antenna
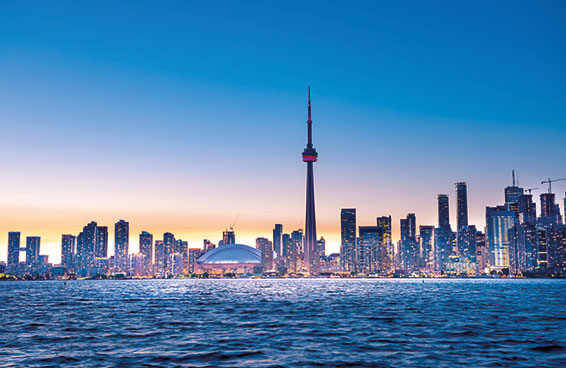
[513,173]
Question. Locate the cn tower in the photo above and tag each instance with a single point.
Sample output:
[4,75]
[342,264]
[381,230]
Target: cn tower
[310,156]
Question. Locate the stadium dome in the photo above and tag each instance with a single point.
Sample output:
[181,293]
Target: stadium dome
[231,254]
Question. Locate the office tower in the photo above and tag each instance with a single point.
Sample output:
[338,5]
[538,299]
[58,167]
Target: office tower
[121,245]
[85,247]
[182,247]
[482,252]
[443,235]
[321,246]
[146,248]
[228,237]
[310,156]
[32,250]
[522,247]
[175,262]
[348,239]
[297,237]
[443,211]
[372,251]
[549,210]
[462,204]
[542,247]
[207,245]
[137,264]
[265,246]
[527,209]
[289,252]
[467,243]
[409,248]
[513,196]
[13,249]
[169,249]
[556,240]
[101,247]
[67,249]
[498,222]
[384,222]
[194,254]
[277,240]
[159,257]
[426,247]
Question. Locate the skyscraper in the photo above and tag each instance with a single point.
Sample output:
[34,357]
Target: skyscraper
[85,247]
[146,248]
[101,247]
[384,222]
[409,247]
[32,250]
[443,235]
[67,249]
[310,156]
[549,209]
[426,255]
[462,205]
[498,222]
[443,211]
[266,247]
[371,250]
[277,240]
[348,237]
[13,249]
[121,244]
[228,237]
[321,246]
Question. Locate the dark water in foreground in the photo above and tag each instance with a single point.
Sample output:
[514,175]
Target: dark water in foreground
[287,323]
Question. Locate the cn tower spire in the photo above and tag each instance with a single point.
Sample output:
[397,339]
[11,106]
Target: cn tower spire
[309,103]
[310,156]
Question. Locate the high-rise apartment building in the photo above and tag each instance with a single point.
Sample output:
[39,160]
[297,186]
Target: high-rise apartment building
[265,246]
[121,245]
[462,204]
[68,244]
[146,248]
[101,246]
[278,240]
[13,249]
[348,239]
[32,250]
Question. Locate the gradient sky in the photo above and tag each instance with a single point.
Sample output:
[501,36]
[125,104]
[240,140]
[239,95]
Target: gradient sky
[178,116]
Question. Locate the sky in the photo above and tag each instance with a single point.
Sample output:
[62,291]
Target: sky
[180,116]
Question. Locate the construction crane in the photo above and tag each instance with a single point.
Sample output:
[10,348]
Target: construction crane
[531,189]
[234,223]
[550,181]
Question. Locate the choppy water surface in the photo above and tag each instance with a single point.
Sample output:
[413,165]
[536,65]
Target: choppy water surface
[287,323]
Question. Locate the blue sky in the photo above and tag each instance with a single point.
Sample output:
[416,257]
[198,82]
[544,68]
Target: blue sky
[190,110]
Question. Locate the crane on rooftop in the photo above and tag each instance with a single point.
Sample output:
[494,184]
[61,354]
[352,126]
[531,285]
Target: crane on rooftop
[550,181]
[531,189]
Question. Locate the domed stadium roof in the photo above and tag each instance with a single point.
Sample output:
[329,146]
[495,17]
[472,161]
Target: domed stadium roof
[231,253]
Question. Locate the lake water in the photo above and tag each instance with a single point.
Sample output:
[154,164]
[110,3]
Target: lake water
[284,323]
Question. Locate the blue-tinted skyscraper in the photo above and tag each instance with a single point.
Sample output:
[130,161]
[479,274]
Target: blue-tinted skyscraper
[278,240]
[146,248]
[499,220]
[462,205]
[101,246]
[68,243]
[348,239]
[121,245]
[32,250]
[13,249]
[426,247]
[443,235]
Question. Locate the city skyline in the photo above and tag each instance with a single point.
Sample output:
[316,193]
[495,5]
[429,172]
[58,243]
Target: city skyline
[158,127]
